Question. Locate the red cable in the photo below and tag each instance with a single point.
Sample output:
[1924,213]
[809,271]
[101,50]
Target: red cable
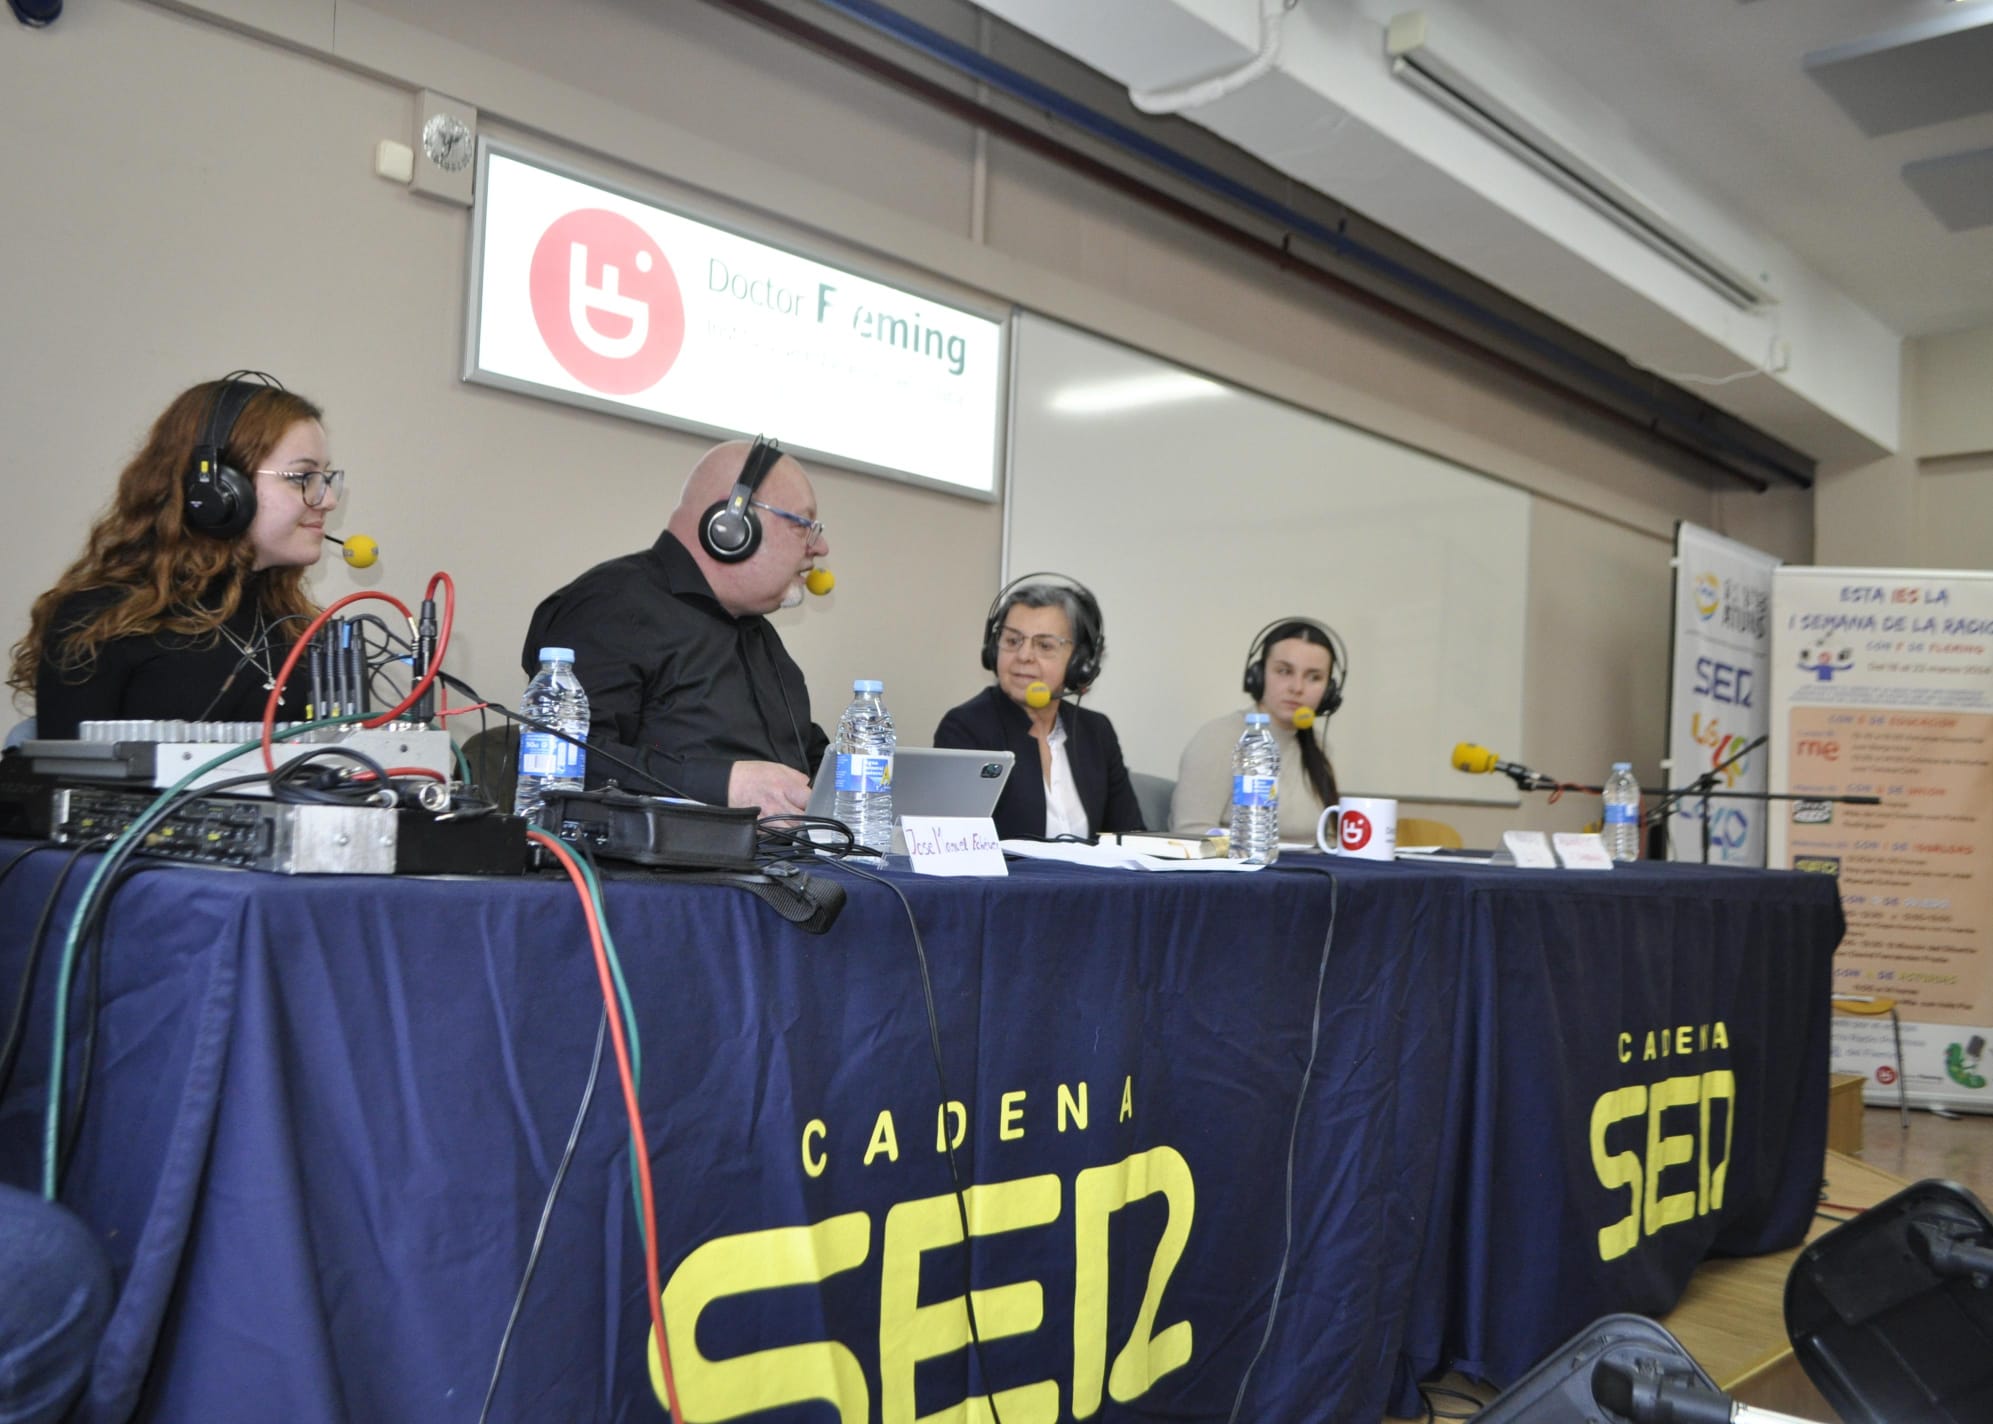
[630,1105]
[297,651]
[472,707]
[304,640]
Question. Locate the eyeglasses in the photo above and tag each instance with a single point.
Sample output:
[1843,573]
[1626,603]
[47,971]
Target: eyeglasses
[1044,644]
[814,527]
[311,485]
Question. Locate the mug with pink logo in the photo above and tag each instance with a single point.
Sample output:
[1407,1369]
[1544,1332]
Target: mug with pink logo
[1365,826]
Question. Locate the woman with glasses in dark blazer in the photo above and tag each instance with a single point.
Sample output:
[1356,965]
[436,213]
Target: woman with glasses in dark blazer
[1043,640]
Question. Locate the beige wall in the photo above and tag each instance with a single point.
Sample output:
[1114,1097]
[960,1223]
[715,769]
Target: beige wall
[178,229]
[1930,505]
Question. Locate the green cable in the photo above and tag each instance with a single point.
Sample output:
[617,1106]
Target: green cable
[629,1028]
[463,762]
[146,819]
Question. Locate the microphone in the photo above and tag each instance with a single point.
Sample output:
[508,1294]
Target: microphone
[1038,695]
[1472,757]
[357,549]
[819,581]
[1304,718]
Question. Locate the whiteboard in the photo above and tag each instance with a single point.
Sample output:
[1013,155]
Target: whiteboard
[1198,512]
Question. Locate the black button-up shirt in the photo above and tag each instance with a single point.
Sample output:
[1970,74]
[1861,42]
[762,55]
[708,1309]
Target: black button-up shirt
[675,683]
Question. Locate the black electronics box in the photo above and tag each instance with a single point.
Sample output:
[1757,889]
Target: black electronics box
[650,830]
[24,798]
[426,844]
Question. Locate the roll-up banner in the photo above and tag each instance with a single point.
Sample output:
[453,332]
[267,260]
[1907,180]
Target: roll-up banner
[1718,694]
[1882,685]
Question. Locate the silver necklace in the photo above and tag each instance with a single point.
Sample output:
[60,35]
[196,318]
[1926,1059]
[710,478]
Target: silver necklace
[255,649]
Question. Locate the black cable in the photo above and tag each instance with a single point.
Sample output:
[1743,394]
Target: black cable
[789,837]
[16,1029]
[595,751]
[347,794]
[941,1082]
[1293,1135]
[546,1214]
[16,863]
[92,955]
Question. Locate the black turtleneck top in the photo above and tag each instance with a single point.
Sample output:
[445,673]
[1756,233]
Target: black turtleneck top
[202,677]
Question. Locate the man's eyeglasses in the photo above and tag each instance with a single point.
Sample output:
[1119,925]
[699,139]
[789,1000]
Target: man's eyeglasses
[312,484]
[1044,644]
[814,527]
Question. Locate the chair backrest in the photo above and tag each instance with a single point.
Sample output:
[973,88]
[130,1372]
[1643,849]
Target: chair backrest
[1152,794]
[494,759]
[1418,831]
[20,732]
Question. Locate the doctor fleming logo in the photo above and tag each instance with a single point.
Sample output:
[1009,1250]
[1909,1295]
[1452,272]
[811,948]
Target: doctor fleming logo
[1708,596]
[606,302]
[1354,830]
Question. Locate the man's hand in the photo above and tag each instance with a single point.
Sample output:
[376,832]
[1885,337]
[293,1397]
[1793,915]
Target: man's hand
[775,788]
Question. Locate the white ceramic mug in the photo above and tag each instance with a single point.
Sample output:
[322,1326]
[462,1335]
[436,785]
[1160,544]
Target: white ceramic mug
[1366,826]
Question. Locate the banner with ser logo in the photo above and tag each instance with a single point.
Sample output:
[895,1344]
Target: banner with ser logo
[1882,685]
[586,293]
[1717,702]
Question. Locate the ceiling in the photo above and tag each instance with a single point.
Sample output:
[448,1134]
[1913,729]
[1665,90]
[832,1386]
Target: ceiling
[1776,132]
[1721,91]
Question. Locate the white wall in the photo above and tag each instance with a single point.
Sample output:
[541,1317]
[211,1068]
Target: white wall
[201,199]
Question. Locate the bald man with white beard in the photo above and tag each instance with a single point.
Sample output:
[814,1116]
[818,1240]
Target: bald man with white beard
[685,676]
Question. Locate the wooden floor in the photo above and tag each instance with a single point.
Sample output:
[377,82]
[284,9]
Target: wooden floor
[1729,1319]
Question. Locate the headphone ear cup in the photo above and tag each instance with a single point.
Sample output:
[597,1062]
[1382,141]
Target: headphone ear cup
[989,646]
[1255,678]
[1332,701]
[729,535]
[219,501]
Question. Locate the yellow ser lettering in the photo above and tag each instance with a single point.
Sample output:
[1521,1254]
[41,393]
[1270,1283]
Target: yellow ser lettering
[1619,1169]
[1668,1151]
[1717,1083]
[910,1332]
[1098,1193]
[794,1374]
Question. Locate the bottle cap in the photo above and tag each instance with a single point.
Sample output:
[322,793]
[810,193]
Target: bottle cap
[1257,719]
[1622,766]
[557,655]
[867,684]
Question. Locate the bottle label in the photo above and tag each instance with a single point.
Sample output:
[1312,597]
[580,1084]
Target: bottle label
[1255,790]
[544,754]
[1621,815]
[864,771]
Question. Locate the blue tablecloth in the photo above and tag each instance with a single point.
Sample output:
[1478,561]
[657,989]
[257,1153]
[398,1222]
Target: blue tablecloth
[325,1113]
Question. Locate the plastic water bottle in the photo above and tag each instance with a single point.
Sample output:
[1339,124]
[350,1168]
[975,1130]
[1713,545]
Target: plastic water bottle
[1622,813]
[864,747]
[546,762]
[1256,794]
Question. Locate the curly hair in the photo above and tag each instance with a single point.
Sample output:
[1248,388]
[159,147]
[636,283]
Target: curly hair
[168,577]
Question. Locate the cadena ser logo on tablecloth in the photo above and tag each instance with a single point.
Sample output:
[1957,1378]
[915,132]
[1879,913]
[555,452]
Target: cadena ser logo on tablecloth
[606,301]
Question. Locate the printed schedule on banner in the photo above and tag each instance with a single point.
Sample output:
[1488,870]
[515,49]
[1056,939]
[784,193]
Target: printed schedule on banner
[1883,685]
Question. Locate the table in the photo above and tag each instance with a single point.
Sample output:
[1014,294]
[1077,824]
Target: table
[326,1111]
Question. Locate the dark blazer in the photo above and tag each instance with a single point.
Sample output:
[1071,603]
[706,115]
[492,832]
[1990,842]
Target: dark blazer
[991,722]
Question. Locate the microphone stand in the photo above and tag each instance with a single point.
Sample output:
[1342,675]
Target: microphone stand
[1704,787]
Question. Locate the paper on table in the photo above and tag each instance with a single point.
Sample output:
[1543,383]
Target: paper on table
[1112,857]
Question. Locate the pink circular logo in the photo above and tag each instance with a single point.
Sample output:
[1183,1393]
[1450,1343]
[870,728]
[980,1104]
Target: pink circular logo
[1354,830]
[606,302]
[1884,1074]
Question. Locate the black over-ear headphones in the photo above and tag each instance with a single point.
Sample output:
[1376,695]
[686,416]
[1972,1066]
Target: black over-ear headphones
[219,500]
[1089,639]
[1254,681]
[730,530]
